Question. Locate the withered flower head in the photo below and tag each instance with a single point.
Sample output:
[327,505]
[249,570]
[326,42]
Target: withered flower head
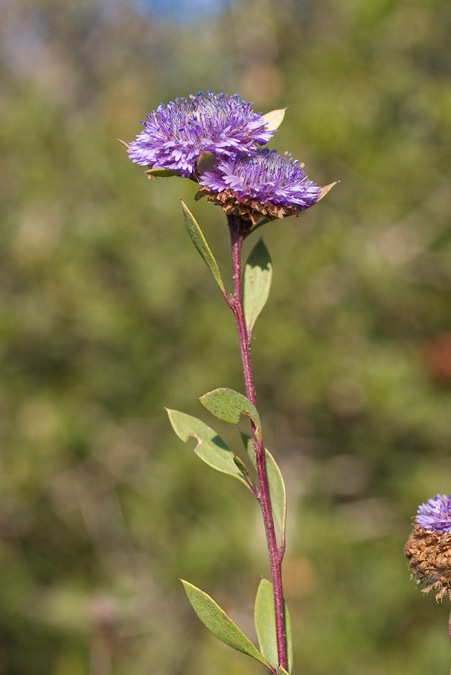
[429,546]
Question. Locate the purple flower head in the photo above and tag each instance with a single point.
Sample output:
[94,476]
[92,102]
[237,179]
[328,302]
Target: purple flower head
[435,515]
[264,185]
[174,136]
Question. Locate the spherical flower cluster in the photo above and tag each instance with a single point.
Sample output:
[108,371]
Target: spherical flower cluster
[266,184]
[435,514]
[428,548]
[174,136]
[217,141]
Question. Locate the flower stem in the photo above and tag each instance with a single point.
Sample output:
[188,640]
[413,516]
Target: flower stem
[238,232]
[449,632]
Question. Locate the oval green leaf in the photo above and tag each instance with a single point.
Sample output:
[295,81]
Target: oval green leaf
[274,118]
[265,625]
[229,405]
[210,447]
[200,243]
[277,490]
[257,282]
[219,623]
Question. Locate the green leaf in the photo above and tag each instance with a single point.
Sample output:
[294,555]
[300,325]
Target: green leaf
[200,243]
[229,405]
[277,491]
[282,671]
[264,620]
[210,447]
[265,625]
[243,468]
[162,173]
[221,625]
[274,118]
[257,282]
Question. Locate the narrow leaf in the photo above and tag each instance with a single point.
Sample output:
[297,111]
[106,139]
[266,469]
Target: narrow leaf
[243,468]
[277,491]
[200,243]
[282,671]
[210,447]
[274,118]
[161,173]
[219,623]
[265,625]
[126,145]
[229,405]
[257,282]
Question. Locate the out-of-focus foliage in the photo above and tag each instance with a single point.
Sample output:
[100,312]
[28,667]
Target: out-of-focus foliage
[107,313]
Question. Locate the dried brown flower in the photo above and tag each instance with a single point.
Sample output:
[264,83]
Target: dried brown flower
[429,554]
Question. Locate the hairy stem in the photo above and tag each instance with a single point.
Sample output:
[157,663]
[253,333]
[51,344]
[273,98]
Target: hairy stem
[238,232]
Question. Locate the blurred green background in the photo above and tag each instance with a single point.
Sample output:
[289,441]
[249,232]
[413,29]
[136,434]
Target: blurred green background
[107,314]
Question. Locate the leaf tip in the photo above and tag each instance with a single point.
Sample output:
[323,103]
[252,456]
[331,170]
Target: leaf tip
[326,189]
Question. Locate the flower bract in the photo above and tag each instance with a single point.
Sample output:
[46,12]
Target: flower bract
[265,185]
[175,135]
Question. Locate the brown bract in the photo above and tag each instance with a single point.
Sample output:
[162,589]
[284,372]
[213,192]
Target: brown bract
[429,555]
[248,209]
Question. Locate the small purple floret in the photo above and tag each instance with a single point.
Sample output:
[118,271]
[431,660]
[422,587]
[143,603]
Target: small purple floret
[267,177]
[435,515]
[175,135]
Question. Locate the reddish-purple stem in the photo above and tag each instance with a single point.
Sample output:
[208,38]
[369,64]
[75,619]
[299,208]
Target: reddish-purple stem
[449,632]
[238,232]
